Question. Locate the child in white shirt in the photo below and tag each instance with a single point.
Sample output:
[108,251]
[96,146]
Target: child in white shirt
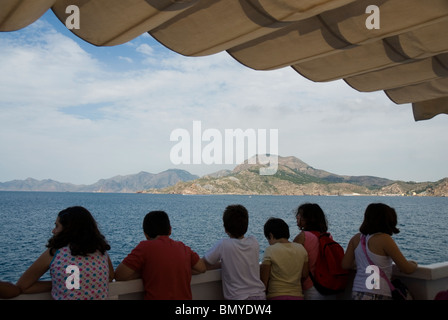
[238,257]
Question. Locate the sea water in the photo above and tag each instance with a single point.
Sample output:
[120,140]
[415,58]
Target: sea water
[27,218]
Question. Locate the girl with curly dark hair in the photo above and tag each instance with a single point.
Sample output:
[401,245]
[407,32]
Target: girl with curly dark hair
[79,265]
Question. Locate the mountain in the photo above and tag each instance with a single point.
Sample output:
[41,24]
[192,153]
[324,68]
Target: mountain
[31,184]
[293,166]
[295,177]
[128,183]
[140,181]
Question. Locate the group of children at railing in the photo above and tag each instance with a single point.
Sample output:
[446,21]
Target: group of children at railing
[80,267]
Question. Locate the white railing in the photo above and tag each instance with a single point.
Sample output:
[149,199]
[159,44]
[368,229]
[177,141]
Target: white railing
[423,284]
[205,286]
[426,281]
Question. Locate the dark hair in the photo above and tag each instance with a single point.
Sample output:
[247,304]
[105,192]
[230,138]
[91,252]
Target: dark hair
[236,220]
[156,223]
[277,227]
[80,232]
[314,217]
[379,217]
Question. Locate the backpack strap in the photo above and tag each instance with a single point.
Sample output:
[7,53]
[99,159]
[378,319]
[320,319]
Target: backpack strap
[320,234]
[316,233]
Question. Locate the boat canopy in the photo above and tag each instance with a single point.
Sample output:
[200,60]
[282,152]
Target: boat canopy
[398,46]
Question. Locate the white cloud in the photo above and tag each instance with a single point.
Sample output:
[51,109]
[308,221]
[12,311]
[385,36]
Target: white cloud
[127,59]
[70,114]
[145,49]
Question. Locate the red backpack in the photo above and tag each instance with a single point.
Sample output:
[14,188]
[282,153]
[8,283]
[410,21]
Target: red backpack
[329,277]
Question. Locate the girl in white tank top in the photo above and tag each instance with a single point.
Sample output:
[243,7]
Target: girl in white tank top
[378,226]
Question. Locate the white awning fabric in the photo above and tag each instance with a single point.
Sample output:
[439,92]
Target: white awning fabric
[323,40]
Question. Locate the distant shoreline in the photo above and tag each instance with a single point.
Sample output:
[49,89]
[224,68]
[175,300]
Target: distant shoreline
[293,177]
[231,194]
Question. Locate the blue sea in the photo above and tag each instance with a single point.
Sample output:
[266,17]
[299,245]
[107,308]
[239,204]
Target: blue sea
[27,218]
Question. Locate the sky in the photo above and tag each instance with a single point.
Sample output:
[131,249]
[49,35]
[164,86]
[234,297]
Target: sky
[74,112]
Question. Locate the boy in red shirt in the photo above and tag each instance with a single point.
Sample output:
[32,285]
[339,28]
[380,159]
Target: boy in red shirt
[164,265]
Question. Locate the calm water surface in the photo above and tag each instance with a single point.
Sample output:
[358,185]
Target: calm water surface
[27,218]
